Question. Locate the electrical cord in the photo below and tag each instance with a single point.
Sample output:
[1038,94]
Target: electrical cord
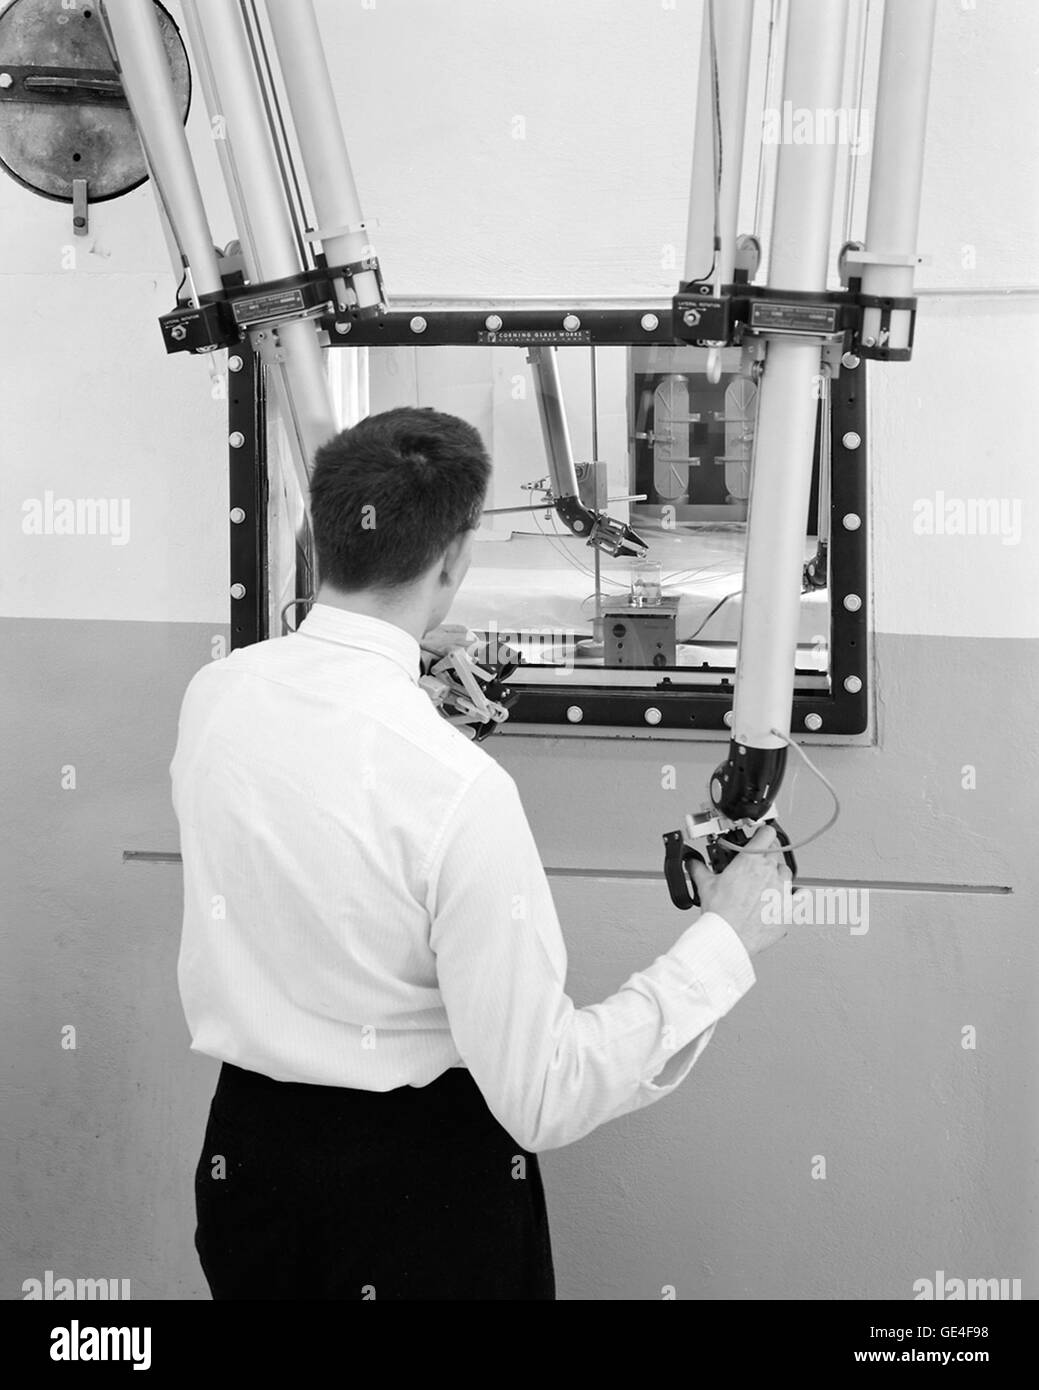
[282,152]
[769,90]
[716,120]
[853,164]
[558,548]
[686,640]
[745,849]
[716,143]
[678,577]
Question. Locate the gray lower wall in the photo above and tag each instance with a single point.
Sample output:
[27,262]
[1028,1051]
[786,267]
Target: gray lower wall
[849,1046]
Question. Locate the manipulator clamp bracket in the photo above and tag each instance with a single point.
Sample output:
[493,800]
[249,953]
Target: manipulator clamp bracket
[220,321]
[847,319]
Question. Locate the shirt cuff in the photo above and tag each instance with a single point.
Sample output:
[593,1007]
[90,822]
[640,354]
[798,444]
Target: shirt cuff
[678,1067]
[716,960]
[719,965]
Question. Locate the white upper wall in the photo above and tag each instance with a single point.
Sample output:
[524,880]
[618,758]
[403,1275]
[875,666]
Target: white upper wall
[529,147]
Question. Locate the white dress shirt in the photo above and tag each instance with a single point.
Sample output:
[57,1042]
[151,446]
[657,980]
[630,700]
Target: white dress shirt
[365,906]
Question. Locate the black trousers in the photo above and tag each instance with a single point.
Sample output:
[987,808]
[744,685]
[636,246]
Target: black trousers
[321,1192]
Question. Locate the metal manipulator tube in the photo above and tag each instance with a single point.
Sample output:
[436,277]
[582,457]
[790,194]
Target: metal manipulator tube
[746,784]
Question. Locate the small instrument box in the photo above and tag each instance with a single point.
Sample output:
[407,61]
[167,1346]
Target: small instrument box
[640,636]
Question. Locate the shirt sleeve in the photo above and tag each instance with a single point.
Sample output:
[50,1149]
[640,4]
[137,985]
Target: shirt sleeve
[551,1072]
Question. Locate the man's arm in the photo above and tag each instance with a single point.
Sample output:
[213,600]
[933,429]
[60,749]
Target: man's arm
[551,1072]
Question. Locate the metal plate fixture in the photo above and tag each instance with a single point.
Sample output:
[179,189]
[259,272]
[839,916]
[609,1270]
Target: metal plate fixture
[65,127]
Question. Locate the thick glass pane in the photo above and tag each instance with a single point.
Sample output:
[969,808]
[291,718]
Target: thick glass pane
[657,445]
[289,546]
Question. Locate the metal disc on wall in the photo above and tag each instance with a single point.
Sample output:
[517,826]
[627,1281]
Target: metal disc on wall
[65,127]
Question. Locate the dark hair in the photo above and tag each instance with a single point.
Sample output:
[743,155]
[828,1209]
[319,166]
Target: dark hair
[389,496]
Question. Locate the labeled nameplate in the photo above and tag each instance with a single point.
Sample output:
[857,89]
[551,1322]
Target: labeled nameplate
[524,336]
[260,307]
[793,318]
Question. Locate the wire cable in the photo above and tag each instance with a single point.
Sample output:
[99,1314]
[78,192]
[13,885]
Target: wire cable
[276,123]
[716,145]
[686,640]
[558,548]
[808,839]
[859,60]
[769,89]
[716,121]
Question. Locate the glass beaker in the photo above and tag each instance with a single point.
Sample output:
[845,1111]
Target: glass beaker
[645,584]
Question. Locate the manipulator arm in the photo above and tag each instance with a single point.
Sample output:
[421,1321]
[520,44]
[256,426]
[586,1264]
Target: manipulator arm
[601,530]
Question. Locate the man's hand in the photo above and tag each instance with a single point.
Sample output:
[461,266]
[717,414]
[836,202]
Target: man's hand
[438,641]
[736,893]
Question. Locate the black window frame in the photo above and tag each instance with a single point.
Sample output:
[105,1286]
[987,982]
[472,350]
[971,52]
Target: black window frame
[843,709]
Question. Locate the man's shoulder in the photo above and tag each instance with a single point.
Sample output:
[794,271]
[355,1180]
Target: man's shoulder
[272,658]
[411,721]
[244,658]
[429,732]
[412,717]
